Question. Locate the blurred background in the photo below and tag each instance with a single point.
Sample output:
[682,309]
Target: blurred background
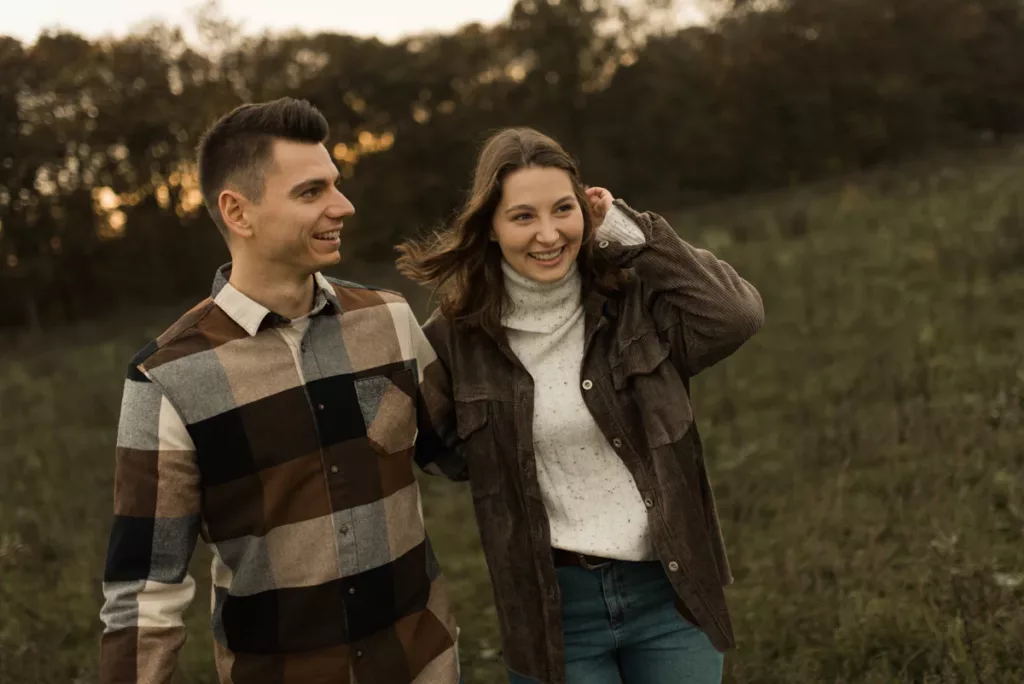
[860,161]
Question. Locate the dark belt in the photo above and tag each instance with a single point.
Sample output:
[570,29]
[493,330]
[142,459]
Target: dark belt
[565,558]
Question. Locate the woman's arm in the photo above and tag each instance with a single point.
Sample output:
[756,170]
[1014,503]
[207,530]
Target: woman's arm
[436,440]
[709,309]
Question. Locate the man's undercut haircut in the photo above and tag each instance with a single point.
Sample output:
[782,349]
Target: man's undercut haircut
[237,149]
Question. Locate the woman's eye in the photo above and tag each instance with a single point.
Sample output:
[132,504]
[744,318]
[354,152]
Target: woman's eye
[521,217]
[564,208]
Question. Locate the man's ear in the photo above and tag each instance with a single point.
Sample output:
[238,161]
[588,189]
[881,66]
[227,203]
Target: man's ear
[233,207]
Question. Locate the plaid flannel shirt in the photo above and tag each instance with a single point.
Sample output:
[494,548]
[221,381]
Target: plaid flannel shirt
[291,454]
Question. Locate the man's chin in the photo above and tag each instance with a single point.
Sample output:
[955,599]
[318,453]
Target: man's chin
[326,259]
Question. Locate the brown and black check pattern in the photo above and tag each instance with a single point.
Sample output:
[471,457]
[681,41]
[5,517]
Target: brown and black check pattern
[292,457]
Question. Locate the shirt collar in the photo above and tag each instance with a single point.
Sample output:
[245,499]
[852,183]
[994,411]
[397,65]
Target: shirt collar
[251,315]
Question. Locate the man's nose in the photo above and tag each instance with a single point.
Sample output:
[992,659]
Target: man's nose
[340,206]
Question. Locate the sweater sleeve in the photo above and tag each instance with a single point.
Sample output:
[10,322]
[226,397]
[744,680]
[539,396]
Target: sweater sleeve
[619,228]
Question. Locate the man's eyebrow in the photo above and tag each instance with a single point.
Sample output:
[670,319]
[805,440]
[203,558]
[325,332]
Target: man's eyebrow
[310,184]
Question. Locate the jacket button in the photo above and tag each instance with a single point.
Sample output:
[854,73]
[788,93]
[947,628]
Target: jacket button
[673,566]
[587,384]
[617,443]
[649,502]
[334,468]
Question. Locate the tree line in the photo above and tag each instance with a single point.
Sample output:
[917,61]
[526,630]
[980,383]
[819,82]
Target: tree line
[99,204]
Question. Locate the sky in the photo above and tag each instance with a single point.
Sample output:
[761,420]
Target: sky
[386,19]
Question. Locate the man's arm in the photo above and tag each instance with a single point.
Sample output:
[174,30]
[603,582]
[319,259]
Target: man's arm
[146,585]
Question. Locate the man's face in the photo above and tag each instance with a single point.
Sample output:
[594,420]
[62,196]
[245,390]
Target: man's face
[298,222]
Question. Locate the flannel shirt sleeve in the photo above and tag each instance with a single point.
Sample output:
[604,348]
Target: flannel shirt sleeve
[146,585]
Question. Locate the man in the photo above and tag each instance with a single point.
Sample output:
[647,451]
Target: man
[279,419]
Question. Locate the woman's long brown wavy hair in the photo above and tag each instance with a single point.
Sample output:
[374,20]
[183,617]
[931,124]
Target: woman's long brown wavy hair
[461,262]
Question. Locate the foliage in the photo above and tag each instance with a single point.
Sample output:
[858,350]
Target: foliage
[98,201]
[865,447]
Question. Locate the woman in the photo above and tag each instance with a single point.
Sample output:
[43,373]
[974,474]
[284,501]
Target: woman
[569,326]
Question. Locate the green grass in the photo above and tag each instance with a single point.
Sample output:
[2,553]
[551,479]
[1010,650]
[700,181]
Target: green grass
[867,448]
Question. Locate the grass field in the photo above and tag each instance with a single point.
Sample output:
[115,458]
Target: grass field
[867,448]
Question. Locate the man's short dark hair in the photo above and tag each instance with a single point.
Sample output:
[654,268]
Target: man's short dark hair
[235,150]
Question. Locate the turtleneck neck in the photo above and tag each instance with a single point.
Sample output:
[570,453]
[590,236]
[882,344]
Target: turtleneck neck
[540,307]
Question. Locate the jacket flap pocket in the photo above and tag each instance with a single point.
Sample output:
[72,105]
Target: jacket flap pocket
[470,416]
[641,356]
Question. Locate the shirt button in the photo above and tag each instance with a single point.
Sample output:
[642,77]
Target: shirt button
[320,406]
[673,566]
[343,529]
[587,384]
[602,244]
[359,654]
[334,469]
[351,590]
[617,443]
[649,502]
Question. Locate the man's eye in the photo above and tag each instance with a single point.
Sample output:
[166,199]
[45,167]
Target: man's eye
[312,192]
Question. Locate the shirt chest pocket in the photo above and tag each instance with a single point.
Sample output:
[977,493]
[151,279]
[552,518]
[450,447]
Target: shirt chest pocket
[388,405]
[643,371]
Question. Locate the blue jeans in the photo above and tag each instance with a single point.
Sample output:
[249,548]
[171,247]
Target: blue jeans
[622,627]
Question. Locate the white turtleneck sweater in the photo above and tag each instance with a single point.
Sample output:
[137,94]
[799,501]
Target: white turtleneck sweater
[592,501]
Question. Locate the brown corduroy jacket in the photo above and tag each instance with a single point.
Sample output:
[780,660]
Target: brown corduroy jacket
[681,311]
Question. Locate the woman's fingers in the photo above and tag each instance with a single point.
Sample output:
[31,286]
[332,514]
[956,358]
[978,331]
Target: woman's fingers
[600,201]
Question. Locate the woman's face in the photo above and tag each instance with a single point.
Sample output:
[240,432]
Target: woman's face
[539,223]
